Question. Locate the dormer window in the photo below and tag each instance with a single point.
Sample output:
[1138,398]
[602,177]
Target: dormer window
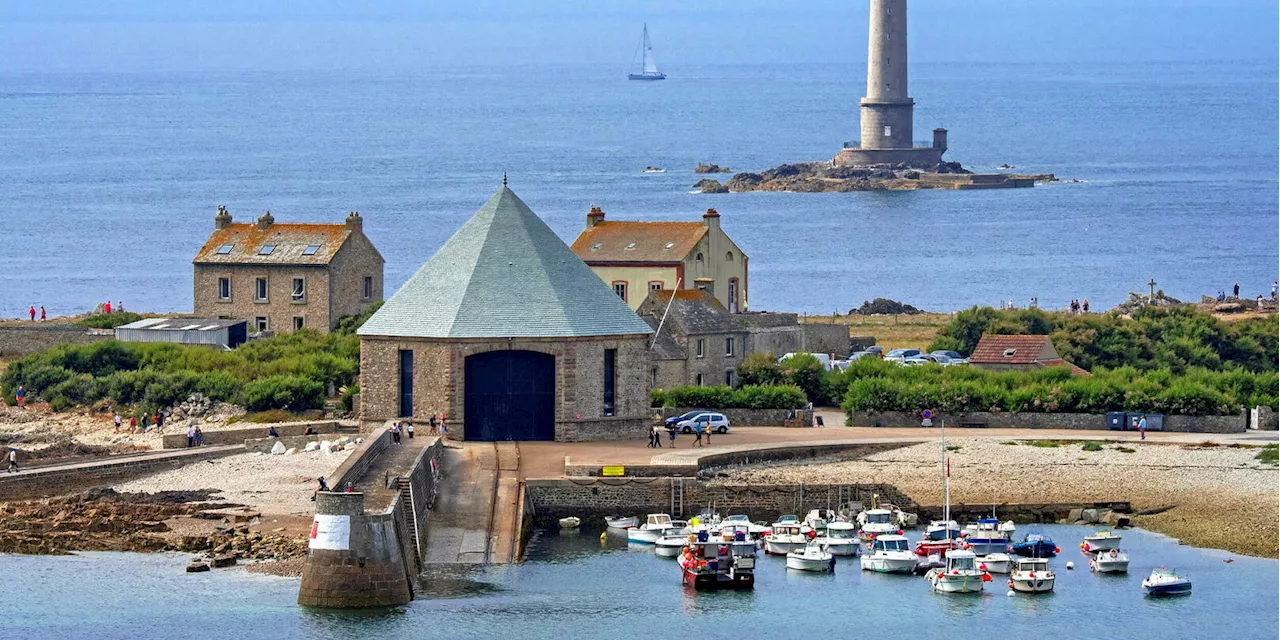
[311,250]
[225,249]
[266,249]
[596,246]
[1009,353]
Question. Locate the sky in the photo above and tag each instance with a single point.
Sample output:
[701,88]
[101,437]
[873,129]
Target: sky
[197,35]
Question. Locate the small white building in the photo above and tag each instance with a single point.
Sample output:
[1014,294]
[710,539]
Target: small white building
[223,333]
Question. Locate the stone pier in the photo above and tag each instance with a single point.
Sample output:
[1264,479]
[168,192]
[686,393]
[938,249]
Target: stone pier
[355,560]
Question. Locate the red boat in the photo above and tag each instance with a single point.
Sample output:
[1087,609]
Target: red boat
[926,548]
[706,563]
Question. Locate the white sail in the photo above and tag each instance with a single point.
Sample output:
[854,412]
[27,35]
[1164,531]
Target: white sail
[650,65]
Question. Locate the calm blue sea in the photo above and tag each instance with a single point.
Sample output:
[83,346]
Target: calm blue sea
[109,182]
[575,587]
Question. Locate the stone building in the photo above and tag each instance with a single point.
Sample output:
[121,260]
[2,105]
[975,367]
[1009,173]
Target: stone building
[287,276]
[699,342]
[506,332]
[1018,353]
[634,258]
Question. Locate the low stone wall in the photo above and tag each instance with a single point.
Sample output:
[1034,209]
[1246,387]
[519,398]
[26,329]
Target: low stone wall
[800,451]
[1266,420]
[1046,513]
[239,436]
[22,340]
[1080,421]
[264,445]
[741,417]
[601,429]
[357,464]
[47,482]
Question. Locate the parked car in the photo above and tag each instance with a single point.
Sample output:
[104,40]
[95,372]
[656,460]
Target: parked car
[858,355]
[899,355]
[671,422]
[953,356]
[712,422]
[876,349]
[927,358]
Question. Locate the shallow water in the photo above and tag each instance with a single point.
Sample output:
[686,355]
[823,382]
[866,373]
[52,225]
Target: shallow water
[572,586]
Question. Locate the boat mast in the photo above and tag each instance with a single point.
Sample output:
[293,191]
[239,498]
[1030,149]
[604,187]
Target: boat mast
[946,482]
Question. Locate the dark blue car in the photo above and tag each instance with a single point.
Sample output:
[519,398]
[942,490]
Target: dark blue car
[670,423]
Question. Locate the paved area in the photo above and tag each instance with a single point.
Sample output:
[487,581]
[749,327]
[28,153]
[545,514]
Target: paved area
[194,453]
[475,514]
[393,462]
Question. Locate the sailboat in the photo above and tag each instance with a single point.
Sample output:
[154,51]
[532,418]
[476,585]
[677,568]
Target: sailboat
[649,68]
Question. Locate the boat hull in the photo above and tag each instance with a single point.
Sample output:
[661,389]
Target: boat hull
[710,580]
[641,76]
[644,536]
[987,546]
[667,551]
[848,548]
[1035,550]
[1023,584]
[996,563]
[808,564]
[1102,563]
[782,547]
[952,583]
[881,564]
[621,523]
[1094,545]
[1169,589]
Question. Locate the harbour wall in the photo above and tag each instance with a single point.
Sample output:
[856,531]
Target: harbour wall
[21,340]
[45,482]
[1073,421]
[731,458]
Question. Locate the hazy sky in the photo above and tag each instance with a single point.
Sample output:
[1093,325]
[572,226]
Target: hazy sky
[135,35]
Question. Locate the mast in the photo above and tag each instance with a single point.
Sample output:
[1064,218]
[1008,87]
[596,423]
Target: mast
[946,482]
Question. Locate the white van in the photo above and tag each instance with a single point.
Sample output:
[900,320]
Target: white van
[825,359]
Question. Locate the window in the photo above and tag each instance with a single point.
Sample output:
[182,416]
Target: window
[311,250]
[299,323]
[597,246]
[406,383]
[656,285]
[888,131]
[728,256]
[698,379]
[728,347]
[620,288]
[669,245]
[702,347]
[225,249]
[888,62]
[630,247]
[266,249]
[261,323]
[653,378]
[610,379]
[224,288]
[733,295]
[698,257]
[888,87]
[299,290]
[728,378]
[260,290]
[368,287]
[888,35]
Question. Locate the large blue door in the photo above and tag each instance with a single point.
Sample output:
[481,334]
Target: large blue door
[510,395]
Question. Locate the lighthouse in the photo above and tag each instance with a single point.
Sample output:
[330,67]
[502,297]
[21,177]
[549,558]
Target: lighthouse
[887,109]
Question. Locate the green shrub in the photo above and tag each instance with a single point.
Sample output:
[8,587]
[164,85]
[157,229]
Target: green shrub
[347,398]
[1125,450]
[723,397]
[760,369]
[804,370]
[269,416]
[1091,446]
[1269,454]
[108,320]
[292,393]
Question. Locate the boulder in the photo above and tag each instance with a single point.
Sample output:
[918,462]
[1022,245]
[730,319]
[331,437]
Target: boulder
[197,567]
[1090,515]
[278,449]
[710,168]
[292,451]
[223,561]
[1118,520]
[326,447]
[312,446]
[1074,515]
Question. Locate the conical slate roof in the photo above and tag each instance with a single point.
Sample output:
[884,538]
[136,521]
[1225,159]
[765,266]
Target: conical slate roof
[504,274]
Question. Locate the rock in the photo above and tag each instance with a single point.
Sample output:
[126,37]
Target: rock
[278,449]
[1228,307]
[326,447]
[223,561]
[1089,515]
[359,440]
[1118,520]
[197,567]
[1074,514]
[292,451]
[707,185]
[710,168]
[1006,166]
[312,446]
[884,306]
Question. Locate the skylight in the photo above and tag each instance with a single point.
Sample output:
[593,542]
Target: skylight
[311,250]
[631,246]
[670,245]
[266,249]
[225,249]
[595,246]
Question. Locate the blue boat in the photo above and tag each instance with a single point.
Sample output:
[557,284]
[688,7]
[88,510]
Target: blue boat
[1166,582]
[1035,545]
[986,538]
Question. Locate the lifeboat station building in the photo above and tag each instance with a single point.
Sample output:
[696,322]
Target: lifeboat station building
[511,336]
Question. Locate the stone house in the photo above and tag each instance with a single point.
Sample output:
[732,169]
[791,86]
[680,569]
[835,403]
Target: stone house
[1018,353]
[634,258]
[699,342]
[506,332]
[287,276]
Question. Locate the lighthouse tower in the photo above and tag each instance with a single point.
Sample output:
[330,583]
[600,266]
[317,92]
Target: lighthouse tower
[887,108]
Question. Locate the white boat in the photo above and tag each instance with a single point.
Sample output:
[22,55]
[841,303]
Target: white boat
[649,66]
[620,522]
[738,536]
[1166,582]
[985,537]
[877,522]
[784,538]
[1110,561]
[1007,527]
[1032,575]
[1101,541]
[942,530]
[961,575]
[654,170]
[669,546]
[754,531]
[572,522]
[996,563]
[813,557]
[890,553]
[841,539]
[655,526]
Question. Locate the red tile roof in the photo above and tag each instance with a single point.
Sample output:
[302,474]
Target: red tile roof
[290,239]
[1075,371]
[627,241]
[992,349]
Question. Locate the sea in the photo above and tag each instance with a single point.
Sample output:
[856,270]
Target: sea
[573,585]
[109,181]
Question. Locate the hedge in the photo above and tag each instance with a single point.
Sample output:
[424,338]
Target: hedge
[723,397]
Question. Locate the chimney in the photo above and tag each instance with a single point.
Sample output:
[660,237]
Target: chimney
[222,220]
[265,221]
[595,216]
[706,284]
[712,219]
[940,138]
[355,222]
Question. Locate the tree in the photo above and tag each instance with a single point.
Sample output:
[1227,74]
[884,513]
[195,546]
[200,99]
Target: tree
[804,370]
[760,368]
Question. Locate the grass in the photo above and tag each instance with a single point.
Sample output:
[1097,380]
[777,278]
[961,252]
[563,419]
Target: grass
[274,415]
[892,331]
[954,447]
[1014,442]
[1269,454]
[1046,444]
[1125,450]
[1091,446]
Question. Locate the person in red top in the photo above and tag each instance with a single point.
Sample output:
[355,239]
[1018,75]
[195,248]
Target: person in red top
[32,313]
[107,307]
[42,314]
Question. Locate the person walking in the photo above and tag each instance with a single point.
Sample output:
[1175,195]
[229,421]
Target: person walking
[118,421]
[395,433]
[444,429]
[707,432]
[191,437]
[32,312]
[159,419]
[21,396]
[671,436]
[13,460]
[697,434]
[431,424]
[199,436]
[133,424]
[43,317]
[408,427]
[143,422]
[1142,428]
[650,444]
[1085,306]
[1235,291]
[655,432]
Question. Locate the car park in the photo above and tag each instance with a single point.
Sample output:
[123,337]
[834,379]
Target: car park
[899,355]
[712,423]
[953,357]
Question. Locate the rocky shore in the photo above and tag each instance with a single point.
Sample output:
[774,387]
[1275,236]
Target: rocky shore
[1208,496]
[816,177]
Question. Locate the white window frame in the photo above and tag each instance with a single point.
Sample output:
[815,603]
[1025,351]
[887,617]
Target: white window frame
[299,323]
[888,131]
[728,347]
[298,294]
[620,289]
[262,323]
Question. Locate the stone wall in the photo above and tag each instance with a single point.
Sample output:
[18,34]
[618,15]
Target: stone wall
[367,571]
[825,338]
[279,308]
[920,156]
[1081,421]
[264,445]
[49,482]
[354,261]
[354,467]
[725,459]
[1265,419]
[239,436]
[21,340]
[740,417]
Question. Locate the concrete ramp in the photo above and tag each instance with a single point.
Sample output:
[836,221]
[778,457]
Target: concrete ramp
[477,514]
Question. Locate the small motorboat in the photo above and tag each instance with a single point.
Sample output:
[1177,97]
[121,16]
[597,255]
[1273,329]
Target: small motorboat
[889,553]
[706,563]
[942,530]
[621,522]
[1110,561]
[928,563]
[656,525]
[572,522]
[814,557]
[841,539]
[1166,582]
[669,546]
[960,575]
[785,538]
[1036,545]
[996,563]
[1007,527]
[985,537]
[1032,575]
[877,522]
[754,530]
[1101,541]
[654,170]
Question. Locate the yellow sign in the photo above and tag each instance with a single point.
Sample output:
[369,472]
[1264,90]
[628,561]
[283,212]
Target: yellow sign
[613,471]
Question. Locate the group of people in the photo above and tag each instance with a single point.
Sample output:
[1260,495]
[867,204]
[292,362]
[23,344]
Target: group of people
[399,429]
[700,431]
[436,425]
[195,436]
[1077,306]
[147,420]
[107,308]
[32,313]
